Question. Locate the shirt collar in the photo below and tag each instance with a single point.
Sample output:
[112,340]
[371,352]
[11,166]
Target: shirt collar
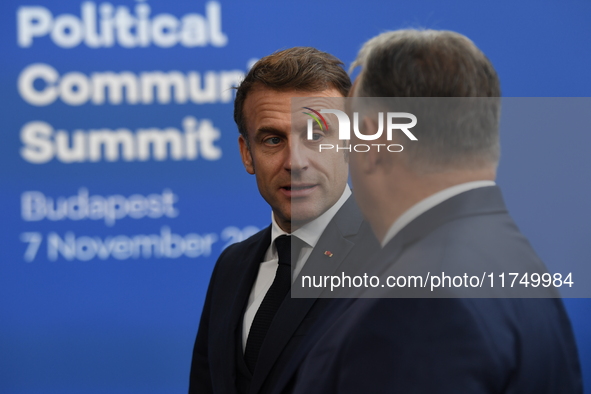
[428,203]
[311,231]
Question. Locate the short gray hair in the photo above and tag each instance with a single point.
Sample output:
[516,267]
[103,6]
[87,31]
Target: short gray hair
[430,63]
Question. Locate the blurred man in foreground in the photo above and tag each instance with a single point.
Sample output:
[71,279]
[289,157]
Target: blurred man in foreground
[435,208]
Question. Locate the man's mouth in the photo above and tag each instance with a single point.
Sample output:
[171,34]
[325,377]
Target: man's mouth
[299,187]
[294,191]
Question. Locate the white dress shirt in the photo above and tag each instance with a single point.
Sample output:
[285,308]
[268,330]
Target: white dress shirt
[309,233]
[424,205]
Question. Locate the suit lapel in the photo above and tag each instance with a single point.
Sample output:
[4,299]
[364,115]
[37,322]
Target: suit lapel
[233,338]
[292,312]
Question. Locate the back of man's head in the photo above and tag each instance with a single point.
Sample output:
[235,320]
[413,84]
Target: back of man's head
[452,133]
[303,69]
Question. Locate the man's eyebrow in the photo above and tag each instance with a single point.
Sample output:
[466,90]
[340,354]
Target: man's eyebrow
[266,130]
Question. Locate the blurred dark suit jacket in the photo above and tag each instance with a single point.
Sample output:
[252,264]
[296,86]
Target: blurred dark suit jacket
[445,345]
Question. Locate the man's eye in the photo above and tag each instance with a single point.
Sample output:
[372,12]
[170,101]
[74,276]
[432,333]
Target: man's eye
[273,140]
[316,136]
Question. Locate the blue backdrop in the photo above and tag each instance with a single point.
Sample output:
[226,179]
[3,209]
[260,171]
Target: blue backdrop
[108,238]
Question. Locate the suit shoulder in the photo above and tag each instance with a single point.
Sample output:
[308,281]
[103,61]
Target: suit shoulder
[238,251]
[350,223]
[250,242]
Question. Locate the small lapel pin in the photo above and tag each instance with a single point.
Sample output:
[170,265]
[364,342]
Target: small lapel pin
[328,253]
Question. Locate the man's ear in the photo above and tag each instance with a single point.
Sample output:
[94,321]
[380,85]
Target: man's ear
[246,155]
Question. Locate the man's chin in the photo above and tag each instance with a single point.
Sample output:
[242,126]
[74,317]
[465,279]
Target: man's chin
[303,216]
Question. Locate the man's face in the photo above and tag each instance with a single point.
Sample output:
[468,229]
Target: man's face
[297,181]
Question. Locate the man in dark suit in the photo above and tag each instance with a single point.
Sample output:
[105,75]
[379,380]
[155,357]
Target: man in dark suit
[250,326]
[437,211]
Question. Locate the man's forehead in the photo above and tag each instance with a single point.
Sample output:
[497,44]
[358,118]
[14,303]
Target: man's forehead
[265,104]
[314,103]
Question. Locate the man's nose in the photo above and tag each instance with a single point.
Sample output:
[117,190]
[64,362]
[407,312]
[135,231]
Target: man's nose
[296,156]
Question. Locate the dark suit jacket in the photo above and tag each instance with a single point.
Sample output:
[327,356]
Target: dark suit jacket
[218,365]
[445,345]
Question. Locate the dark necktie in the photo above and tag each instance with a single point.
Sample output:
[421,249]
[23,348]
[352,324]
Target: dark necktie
[273,299]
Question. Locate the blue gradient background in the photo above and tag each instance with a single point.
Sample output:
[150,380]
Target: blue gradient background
[128,326]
